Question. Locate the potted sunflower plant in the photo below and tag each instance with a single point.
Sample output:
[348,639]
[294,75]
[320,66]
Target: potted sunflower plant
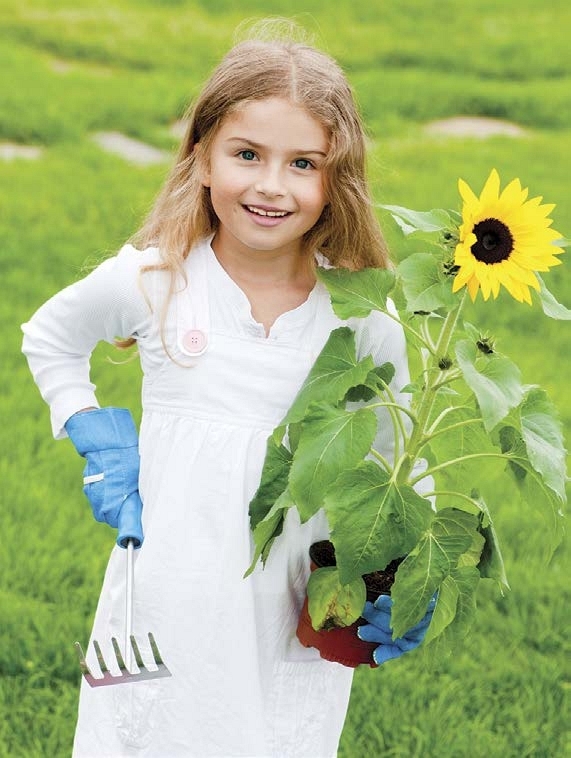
[477,429]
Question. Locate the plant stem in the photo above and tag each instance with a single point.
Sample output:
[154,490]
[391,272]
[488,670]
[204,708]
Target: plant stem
[434,379]
[420,336]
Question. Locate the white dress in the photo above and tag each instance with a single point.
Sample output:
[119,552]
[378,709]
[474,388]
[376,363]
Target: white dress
[241,685]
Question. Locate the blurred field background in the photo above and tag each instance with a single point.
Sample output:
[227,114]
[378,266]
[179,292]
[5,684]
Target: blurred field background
[73,69]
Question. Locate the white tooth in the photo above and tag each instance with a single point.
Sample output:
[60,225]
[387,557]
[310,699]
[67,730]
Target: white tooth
[272,214]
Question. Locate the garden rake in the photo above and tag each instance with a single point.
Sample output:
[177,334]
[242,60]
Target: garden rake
[125,664]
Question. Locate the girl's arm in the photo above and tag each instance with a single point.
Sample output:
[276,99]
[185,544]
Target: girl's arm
[61,335]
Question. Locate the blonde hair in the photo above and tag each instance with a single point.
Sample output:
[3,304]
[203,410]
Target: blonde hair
[347,232]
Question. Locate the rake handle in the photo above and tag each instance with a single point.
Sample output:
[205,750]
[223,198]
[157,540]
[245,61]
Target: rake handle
[129,579]
[130,537]
[130,527]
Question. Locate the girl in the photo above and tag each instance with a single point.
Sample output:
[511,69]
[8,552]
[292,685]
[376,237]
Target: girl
[218,291]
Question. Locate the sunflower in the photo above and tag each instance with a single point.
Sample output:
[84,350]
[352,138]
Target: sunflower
[503,239]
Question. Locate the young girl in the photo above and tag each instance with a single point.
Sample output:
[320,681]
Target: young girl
[218,291]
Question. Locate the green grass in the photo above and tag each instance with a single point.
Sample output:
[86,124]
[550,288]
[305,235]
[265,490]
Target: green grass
[72,68]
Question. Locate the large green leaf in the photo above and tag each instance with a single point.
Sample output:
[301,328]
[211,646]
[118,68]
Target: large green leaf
[455,607]
[332,604]
[372,520]
[357,293]
[545,502]
[463,435]
[543,438]
[425,285]
[531,435]
[494,379]
[273,481]
[332,440]
[334,372]
[435,557]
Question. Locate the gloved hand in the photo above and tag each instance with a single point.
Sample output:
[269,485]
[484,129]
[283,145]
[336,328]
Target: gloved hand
[108,440]
[378,614]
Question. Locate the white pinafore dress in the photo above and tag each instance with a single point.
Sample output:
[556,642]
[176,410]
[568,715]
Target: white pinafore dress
[242,685]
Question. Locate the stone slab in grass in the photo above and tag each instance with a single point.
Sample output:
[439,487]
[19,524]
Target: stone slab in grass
[10,151]
[131,150]
[474,126]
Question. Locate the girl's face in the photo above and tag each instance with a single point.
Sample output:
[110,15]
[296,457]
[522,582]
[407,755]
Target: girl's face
[266,177]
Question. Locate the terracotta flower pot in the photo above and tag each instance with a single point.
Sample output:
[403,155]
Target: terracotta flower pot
[342,645]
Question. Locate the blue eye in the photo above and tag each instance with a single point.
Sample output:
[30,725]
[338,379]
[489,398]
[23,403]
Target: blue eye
[302,163]
[247,155]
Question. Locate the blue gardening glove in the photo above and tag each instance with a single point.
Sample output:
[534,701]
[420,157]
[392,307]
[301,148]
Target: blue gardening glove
[378,614]
[108,440]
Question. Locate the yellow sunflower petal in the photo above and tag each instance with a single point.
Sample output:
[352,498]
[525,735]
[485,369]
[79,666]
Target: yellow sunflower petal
[491,191]
[513,194]
[473,286]
[466,193]
[495,283]
[504,238]
[517,290]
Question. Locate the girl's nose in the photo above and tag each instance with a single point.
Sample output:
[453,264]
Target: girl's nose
[270,182]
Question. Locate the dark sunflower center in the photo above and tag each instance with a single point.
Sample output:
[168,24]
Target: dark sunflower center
[494,241]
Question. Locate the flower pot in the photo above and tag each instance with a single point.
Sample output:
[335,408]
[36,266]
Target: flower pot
[342,645]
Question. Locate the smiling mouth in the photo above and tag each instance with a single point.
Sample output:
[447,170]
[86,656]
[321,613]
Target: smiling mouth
[267,213]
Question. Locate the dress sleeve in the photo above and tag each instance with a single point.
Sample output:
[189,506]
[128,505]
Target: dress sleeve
[60,337]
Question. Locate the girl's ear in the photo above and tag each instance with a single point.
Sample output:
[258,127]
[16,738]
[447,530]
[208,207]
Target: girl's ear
[203,164]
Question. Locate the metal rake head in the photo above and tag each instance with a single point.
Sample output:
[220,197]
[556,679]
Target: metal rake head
[125,676]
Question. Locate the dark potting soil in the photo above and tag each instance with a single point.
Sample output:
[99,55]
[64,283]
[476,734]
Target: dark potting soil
[377,583]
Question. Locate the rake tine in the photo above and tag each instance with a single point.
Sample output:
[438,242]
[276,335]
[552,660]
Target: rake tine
[85,670]
[100,658]
[118,656]
[154,647]
[135,648]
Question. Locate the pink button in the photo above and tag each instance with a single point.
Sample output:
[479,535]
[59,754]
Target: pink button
[194,342]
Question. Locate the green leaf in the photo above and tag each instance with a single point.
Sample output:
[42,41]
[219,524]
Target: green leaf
[332,440]
[462,435]
[472,556]
[494,379]
[410,221]
[357,293]
[435,557]
[376,382]
[267,530]
[543,438]
[273,481]
[455,607]
[334,372]
[425,285]
[332,604]
[491,565]
[543,499]
[372,520]
[550,306]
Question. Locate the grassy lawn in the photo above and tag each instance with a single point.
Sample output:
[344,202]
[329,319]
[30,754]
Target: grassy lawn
[71,69]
